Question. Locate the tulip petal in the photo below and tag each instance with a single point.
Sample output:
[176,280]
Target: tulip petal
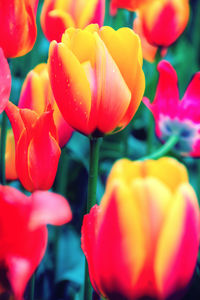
[121,220]
[180,236]
[165,97]
[15,119]
[19,272]
[42,167]
[88,241]
[76,41]
[11,173]
[5,80]
[125,170]
[44,206]
[21,160]
[111,96]
[147,194]
[32,95]
[189,105]
[74,98]
[163,167]
[22,262]
[137,93]
[55,23]
[88,12]
[148,50]
[18,30]
[125,48]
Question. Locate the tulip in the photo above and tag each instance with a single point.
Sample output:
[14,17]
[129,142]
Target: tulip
[149,51]
[5,81]
[36,94]
[97,84]
[36,147]
[18,26]
[143,238]
[175,117]
[24,233]
[163,21]
[127,4]
[58,15]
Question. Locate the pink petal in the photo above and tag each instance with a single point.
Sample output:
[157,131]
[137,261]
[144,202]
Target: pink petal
[167,95]
[49,208]
[189,106]
[5,81]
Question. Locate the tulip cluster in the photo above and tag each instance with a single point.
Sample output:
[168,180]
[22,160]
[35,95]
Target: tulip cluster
[142,240]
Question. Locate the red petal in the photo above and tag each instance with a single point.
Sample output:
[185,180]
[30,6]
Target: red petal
[189,105]
[5,80]
[21,161]
[44,206]
[88,240]
[23,261]
[167,94]
[14,116]
[43,154]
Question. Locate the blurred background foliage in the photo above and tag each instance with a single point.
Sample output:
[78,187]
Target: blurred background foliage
[61,273]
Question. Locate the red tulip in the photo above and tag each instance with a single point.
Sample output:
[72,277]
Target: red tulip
[58,15]
[127,4]
[23,234]
[36,146]
[163,21]
[18,26]
[36,94]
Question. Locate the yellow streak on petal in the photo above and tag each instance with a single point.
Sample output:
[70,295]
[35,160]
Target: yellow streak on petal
[168,170]
[129,217]
[169,240]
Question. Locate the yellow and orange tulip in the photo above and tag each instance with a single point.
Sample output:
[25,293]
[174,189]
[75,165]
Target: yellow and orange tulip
[36,94]
[36,147]
[163,21]
[96,77]
[131,5]
[143,238]
[58,15]
[18,26]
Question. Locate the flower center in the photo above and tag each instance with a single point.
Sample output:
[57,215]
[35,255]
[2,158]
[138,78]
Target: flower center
[187,131]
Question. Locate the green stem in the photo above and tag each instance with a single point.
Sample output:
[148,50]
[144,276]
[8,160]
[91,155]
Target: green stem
[198,178]
[3,148]
[93,172]
[131,18]
[32,286]
[164,149]
[61,187]
[91,199]
[150,136]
